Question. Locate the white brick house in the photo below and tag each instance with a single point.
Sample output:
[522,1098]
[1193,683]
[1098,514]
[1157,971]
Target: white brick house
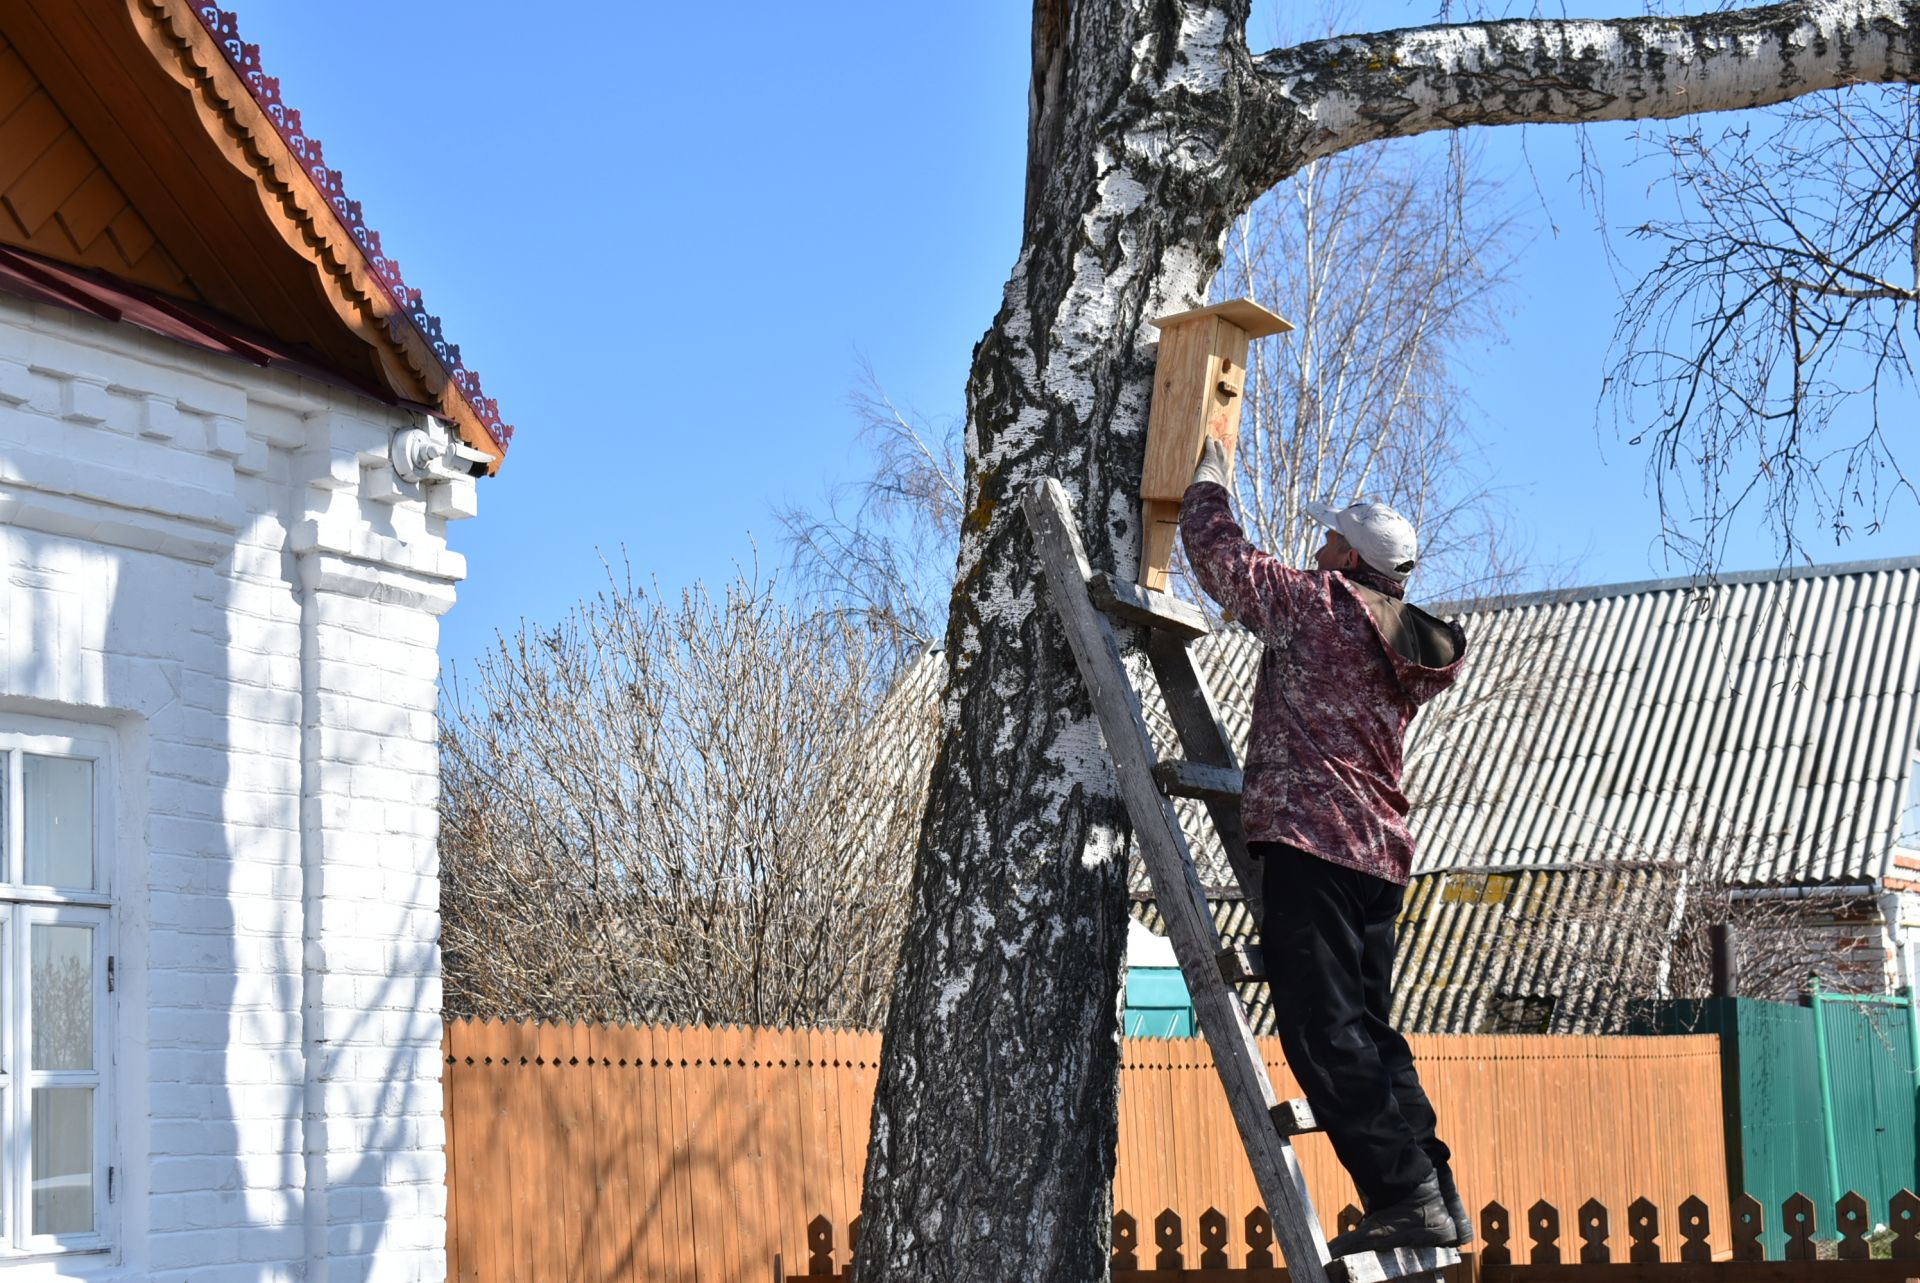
[219,599]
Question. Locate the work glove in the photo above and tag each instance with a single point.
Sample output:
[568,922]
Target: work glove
[1213,464]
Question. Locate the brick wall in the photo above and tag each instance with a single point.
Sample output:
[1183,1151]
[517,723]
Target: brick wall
[217,566]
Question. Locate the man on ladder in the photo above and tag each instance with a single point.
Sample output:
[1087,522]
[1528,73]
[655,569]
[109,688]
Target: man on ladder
[1346,663]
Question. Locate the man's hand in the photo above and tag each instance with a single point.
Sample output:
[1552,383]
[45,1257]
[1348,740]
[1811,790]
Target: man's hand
[1213,465]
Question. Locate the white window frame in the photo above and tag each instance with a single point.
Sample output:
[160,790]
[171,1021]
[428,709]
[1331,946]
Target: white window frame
[21,908]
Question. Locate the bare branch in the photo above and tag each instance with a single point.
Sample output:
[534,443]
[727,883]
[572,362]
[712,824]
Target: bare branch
[882,552]
[1784,291]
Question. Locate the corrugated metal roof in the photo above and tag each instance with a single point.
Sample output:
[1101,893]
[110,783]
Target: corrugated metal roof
[1599,736]
[1766,717]
[1769,718]
[1526,951]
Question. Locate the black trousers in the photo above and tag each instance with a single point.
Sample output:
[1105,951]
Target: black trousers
[1328,941]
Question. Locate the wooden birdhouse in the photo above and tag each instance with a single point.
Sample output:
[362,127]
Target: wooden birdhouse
[1197,389]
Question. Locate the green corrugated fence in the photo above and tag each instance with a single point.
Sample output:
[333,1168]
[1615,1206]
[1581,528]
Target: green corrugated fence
[1818,1098]
[1869,1088]
[1158,1005]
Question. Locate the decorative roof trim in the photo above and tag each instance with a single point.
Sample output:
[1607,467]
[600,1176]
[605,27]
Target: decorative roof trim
[244,59]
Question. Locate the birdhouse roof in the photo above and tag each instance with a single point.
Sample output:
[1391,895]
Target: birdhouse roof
[1257,321]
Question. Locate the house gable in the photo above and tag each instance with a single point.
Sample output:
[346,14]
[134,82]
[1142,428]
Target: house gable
[173,109]
[59,200]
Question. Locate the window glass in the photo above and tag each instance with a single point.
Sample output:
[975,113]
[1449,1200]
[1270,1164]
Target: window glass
[1910,819]
[62,1160]
[62,982]
[57,793]
[55,940]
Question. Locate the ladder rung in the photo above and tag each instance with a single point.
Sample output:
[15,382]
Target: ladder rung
[1400,1263]
[1197,779]
[1241,963]
[1147,606]
[1294,1118]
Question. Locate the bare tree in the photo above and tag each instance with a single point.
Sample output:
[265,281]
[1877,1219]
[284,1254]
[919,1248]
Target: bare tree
[881,551]
[673,809]
[1389,261]
[1152,128]
[1759,353]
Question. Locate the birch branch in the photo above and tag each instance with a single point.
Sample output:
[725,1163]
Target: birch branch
[1328,95]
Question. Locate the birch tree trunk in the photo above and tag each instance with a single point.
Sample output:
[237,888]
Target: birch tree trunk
[1152,128]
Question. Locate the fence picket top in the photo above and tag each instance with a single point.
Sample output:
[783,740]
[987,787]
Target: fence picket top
[1167,1236]
[1259,1228]
[1593,1234]
[1903,1217]
[732,1047]
[1749,1222]
[1213,1239]
[1126,1241]
[1850,1218]
[820,1246]
[1798,1218]
[1543,1226]
[1693,1230]
[1643,1231]
[1495,1230]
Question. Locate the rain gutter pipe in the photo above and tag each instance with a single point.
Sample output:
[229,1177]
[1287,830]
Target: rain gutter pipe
[1803,893]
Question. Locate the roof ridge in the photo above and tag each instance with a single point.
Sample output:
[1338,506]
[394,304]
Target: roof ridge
[224,28]
[1634,588]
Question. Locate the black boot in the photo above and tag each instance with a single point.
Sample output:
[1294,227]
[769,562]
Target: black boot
[1456,1208]
[1419,1220]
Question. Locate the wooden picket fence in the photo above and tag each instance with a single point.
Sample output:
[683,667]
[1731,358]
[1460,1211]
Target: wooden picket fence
[610,1154]
[1685,1256]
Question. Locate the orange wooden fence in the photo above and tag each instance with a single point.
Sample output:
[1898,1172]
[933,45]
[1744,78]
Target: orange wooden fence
[605,1154]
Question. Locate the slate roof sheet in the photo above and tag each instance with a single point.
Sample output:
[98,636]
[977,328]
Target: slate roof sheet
[1599,736]
[1768,717]
[1493,952]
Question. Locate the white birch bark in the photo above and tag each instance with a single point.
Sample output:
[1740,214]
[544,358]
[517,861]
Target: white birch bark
[1151,129]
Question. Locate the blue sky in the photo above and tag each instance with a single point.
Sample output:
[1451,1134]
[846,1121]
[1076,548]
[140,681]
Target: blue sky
[667,239]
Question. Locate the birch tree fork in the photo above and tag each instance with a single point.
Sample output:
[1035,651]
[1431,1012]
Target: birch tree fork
[1151,128]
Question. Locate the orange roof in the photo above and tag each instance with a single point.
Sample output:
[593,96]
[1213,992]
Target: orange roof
[142,139]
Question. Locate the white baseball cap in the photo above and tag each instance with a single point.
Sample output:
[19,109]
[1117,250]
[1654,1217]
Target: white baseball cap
[1384,539]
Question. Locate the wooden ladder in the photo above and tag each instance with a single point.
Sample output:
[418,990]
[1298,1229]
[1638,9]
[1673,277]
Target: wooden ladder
[1211,773]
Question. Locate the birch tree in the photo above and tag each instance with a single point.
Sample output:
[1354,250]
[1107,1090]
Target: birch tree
[1151,128]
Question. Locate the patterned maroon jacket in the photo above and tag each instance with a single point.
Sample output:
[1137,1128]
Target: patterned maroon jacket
[1334,695]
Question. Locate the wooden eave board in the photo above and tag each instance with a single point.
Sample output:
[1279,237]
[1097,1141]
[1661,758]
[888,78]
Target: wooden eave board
[149,134]
[58,200]
[1257,321]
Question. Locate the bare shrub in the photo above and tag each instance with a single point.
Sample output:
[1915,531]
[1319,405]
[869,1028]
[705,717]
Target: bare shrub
[672,809]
